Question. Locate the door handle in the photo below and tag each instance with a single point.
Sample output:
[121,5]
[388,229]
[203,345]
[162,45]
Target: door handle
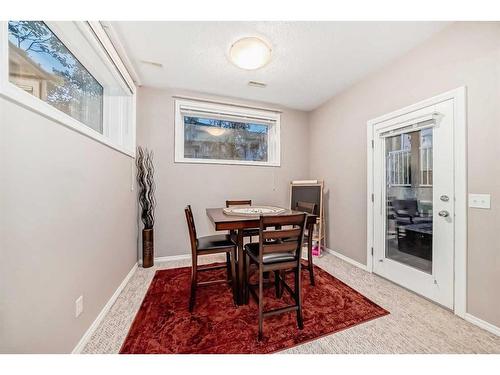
[444,213]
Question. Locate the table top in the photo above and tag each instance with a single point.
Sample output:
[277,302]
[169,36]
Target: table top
[225,222]
[253,210]
[424,228]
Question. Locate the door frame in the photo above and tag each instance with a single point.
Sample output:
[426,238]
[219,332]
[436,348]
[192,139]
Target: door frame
[458,96]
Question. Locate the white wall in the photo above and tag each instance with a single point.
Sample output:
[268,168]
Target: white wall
[465,53]
[67,228]
[209,185]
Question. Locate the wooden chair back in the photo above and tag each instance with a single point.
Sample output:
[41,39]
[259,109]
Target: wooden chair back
[281,240]
[308,207]
[192,228]
[243,202]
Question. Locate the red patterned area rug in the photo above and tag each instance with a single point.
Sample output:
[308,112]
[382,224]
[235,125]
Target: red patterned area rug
[164,324]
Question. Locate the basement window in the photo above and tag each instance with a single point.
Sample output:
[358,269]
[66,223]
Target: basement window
[40,64]
[69,72]
[226,134]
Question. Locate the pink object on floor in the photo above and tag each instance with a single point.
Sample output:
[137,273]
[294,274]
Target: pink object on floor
[316,250]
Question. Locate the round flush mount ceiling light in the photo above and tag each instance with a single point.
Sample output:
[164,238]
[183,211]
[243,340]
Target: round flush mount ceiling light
[250,53]
[215,131]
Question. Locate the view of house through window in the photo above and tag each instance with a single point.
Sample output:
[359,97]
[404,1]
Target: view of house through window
[409,199]
[40,64]
[224,139]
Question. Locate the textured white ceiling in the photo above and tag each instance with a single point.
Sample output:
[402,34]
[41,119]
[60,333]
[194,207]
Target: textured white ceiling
[311,61]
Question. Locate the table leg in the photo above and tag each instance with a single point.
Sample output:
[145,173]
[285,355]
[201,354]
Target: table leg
[241,260]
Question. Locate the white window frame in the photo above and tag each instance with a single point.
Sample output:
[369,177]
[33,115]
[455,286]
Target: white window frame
[246,113]
[90,45]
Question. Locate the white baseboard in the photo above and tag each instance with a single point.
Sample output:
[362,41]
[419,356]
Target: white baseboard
[482,324]
[86,336]
[172,257]
[345,258]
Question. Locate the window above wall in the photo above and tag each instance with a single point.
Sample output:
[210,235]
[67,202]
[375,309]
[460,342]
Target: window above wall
[207,132]
[69,72]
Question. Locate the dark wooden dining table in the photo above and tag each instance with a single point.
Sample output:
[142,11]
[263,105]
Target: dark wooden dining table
[235,223]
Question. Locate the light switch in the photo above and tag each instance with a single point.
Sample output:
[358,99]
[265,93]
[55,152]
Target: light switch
[479,201]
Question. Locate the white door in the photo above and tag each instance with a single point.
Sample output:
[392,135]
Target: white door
[413,212]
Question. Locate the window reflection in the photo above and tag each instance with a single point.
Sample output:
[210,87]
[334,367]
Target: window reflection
[40,64]
[409,199]
[209,138]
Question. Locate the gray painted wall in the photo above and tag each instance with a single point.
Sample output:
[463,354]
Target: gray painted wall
[67,228]
[209,185]
[465,53]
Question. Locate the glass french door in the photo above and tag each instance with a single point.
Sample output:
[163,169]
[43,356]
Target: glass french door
[414,202]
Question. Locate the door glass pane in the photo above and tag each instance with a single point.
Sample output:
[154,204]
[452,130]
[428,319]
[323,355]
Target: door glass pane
[40,64]
[409,198]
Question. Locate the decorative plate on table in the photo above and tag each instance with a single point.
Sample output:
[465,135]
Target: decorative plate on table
[253,210]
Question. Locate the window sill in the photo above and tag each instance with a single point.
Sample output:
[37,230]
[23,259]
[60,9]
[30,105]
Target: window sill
[227,162]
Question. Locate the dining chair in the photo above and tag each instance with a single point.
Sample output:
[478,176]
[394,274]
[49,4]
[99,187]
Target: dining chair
[277,250]
[309,208]
[243,202]
[207,245]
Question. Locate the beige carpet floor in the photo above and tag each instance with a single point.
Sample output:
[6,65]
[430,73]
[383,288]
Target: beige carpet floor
[414,325]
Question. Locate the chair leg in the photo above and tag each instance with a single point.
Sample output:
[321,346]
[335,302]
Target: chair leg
[277,283]
[298,298]
[230,273]
[261,303]
[233,275]
[282,277]
[246,265]
[194,269]
[245,278]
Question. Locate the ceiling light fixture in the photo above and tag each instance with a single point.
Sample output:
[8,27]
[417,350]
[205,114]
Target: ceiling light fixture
[215,131]
[250,53]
